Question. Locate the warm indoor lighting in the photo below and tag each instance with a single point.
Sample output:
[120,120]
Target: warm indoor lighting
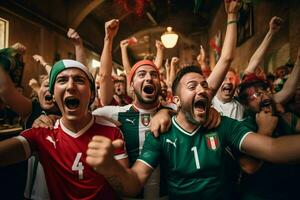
[169,38]
[95,63]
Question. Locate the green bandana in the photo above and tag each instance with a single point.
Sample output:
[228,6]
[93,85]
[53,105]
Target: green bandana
[61,65]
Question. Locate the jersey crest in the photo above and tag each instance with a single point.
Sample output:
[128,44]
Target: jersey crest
[212,141]
[145,118]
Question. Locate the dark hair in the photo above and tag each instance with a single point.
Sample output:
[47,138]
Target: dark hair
[242,89]
[181,73]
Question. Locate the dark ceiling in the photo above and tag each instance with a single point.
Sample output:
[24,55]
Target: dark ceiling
[187,17]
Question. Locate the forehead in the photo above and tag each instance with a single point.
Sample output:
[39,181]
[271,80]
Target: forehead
[72,72]
[147,68]
[192,77]
[230,74]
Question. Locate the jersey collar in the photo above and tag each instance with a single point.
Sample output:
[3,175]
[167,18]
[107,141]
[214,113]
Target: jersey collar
[79,133]
[182,130]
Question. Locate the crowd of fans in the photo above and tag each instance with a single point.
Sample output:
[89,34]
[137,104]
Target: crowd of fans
[160,130]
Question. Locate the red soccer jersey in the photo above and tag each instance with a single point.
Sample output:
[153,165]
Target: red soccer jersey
[63,154]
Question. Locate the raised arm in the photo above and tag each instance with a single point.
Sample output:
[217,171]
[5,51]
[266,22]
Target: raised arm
[105,71]
[125,60]
[160,49]
[173,69]
[258,56]
[79,50]
[34,84]
[201,59]
[290,85]
[219,72]
[39,59]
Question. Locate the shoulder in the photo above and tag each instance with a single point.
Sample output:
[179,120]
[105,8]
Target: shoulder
[104,121]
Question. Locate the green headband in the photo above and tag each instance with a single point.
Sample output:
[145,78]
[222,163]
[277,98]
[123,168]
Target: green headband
[62,65]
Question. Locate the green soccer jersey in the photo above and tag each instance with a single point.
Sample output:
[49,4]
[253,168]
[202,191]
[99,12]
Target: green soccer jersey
[193,163]
[135,124]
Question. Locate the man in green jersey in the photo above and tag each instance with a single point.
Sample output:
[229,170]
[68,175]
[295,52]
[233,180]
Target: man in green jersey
[264,180]
[191,157]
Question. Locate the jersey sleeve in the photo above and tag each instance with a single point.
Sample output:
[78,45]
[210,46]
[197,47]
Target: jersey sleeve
[120,153]
[235,132]
[31,136]
[151,151]
[108,111]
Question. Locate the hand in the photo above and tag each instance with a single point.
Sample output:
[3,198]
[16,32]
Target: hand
[74,37]
[266,122]
[111,28]
[275,24]
[124,44]
[160,122]
[45,121]
[100,154]
[175,62]
[159,45]
[213,120]
[201,57]
[33,83]
[232,6]
[39,59]
[19,48]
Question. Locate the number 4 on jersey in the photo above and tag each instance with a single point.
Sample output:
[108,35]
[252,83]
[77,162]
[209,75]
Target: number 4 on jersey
[78,166]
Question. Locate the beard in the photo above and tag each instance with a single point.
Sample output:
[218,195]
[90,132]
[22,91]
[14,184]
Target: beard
[188,112]
[143,100]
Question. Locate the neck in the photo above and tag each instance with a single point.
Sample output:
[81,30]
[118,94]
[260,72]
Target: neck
[224,100]
[76,124]
[146,106]
[184,123]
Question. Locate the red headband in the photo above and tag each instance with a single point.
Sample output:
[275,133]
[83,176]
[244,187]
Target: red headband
[139,64]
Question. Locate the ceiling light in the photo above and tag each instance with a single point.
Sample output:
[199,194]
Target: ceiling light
[169,38]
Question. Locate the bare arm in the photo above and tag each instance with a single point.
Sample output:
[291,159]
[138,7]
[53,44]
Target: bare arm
[105,71]
[219,72]
[39,59]
[160,49]
[201,59]
[173,69]
[125,60]
[259,54]
[125,181]
[11,151]
[290,85]
[11,97]
[79,50]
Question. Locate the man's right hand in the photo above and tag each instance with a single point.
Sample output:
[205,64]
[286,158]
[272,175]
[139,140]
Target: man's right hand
[74,37]
[100,154]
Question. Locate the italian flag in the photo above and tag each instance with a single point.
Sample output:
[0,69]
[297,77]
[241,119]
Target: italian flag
[212,141]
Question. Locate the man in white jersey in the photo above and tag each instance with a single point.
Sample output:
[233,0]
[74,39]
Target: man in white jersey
[62,150]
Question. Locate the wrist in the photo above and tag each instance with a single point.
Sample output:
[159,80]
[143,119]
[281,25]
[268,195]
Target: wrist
[231,16]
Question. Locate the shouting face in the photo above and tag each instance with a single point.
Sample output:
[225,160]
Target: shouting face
[227,89]
[146,85]
[193,98]
[72,93]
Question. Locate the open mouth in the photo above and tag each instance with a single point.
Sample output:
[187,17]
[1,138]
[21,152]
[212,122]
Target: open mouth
[200,105]
[48,98]
[227,88]
[148,89]
[71,102]
[266,103]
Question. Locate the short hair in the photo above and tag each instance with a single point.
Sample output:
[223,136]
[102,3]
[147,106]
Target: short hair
[181,73]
